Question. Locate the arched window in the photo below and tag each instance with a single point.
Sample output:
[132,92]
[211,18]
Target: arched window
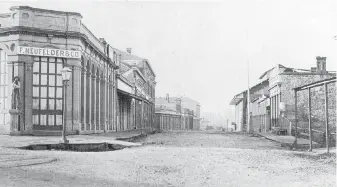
[47,91]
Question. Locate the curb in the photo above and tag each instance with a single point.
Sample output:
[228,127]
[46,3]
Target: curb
[291,145]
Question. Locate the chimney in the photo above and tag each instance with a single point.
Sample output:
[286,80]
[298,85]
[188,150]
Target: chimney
[321,64]
[168,98]
[313,69]
[102,40]
[129,50]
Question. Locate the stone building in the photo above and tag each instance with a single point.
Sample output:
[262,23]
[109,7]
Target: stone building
[282,80]
[35,44]
[274,98]
[136,92]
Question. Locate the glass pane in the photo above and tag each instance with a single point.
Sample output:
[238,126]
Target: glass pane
[51,92]
[36,91]
[35,119]
[36,67]
[52,68]
[58,119]
[59,80]
[58,104]
[36,59]
[44,59]
[44,92]
[36,79]
[43,79]
[43,120]
[59,59]
[43,67]
[51,80]
[59,92]
[59,67]
[51,104]
[51,59]
[35,103]
[51,120]
[5,78]
[43,104]
[2,79]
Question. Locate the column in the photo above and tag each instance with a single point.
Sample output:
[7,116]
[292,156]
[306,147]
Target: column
[98,97]
[102,105]
[111,100]
[93,102]
[76,99]
[28,97]
[88,99]
[84,99]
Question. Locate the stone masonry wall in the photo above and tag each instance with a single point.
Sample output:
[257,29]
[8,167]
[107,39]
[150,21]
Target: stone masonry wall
[317,103]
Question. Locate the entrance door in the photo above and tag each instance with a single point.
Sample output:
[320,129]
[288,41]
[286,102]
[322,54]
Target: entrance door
[47,93]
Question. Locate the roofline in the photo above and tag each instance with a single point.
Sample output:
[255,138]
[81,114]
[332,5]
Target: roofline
[138,71]
[147,61]
[315,84]
[44,10]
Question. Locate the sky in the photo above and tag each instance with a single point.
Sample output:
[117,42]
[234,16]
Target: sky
[202,49]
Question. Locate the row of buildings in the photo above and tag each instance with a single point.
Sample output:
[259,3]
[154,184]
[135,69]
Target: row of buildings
[109,89]
[177,113]
[272,100]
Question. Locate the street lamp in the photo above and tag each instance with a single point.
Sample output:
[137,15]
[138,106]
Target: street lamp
[66,73]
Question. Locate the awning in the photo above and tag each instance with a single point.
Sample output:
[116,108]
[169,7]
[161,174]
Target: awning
[236,100]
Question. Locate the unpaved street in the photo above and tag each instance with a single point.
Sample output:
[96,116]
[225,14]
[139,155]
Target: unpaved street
[179,159]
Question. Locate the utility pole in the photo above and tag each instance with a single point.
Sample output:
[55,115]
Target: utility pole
[248,128]
[248,101]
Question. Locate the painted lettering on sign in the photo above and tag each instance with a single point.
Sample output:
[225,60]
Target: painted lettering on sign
[34,51]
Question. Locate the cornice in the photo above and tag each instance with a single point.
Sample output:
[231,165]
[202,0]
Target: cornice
[45,33]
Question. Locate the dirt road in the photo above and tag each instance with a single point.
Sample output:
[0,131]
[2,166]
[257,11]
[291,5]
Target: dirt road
[180,159]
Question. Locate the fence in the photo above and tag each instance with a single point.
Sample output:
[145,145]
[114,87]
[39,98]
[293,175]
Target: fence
[315,112]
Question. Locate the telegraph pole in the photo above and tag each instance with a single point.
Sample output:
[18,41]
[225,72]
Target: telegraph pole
[248,101]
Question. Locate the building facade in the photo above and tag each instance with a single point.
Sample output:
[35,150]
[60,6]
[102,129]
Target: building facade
[177,113]
[273,106]
[35,44]
[136,92]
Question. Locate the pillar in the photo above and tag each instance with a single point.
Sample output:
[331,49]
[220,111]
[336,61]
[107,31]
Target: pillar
[98,97]
[84,96]
[88,98]
[93,102]
[76,115]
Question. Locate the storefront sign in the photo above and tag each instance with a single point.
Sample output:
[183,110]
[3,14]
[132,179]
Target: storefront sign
[34,51]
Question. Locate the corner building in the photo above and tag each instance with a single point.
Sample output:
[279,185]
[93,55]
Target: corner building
[35,44]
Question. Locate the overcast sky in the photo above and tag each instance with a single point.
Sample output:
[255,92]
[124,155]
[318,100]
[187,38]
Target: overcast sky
[201,49]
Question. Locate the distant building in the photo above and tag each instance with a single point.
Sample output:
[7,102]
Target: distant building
[135,91]
[187,109]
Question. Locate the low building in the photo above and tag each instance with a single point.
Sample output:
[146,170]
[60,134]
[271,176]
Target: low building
[182,108]
[258,108]
[272,101]
[282,81]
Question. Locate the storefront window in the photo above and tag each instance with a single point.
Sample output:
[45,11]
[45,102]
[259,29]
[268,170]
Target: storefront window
[47,91]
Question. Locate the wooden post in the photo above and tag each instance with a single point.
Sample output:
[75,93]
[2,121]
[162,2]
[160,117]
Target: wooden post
[310,131]
[326,117]
[295,143]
